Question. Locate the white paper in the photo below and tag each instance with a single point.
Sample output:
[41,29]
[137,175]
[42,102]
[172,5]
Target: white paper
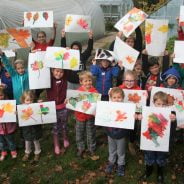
[126,54]
[38,19]
[39,74]
[77,23]
[156,36]
[178,52]
[115,114]
[36,113]
[155,135]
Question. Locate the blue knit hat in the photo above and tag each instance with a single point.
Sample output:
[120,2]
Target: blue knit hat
[171,72]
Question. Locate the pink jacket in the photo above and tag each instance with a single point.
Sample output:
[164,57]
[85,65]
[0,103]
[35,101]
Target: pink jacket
[7,128]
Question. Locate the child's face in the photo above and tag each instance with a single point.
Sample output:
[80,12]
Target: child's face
[116,97]
[171,81]
[7,75]
[129,81]
[130,42]
[41,38]
[75,47]
[86,82]
[1,97]
[28,100]
[159,103]
[154,70]
[20,69]
[58,73]
[138,69]
[105,63]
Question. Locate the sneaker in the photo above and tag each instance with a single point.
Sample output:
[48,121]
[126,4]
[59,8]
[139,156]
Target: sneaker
[37,157]
[121,170]
[66,143]
[26,157]
[109,169]
[14,154]
[3,155]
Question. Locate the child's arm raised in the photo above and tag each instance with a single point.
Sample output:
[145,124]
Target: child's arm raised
[54,31]
[63,38]
[7,64]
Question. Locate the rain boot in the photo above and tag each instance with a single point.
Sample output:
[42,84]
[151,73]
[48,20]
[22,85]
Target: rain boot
[147,173]
[160,175]
[56,144]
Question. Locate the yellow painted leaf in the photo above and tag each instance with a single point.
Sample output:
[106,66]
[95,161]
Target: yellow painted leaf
[68,21]
[163,28]
[27,113]
[8,107]
[73,62]
[149,27]
[4,39]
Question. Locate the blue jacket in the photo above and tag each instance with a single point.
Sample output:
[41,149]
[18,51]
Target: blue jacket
[117,133]
[20,82]
[104,77]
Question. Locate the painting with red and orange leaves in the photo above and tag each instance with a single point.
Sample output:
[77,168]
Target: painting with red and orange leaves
[38,19]
[7,111]
[77,23]
[155,129]
[115,114]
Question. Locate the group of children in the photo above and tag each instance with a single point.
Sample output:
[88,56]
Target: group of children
[146,74]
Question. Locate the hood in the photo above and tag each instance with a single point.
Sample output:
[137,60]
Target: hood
[171,72]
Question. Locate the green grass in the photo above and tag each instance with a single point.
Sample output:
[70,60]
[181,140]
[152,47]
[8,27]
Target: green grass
[70,169]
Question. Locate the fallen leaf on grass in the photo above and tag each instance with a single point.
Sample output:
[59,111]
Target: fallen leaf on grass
[140,162]
[173,177]
[111,181]
[92,174]
[58,168]
[77,181]
[95,157]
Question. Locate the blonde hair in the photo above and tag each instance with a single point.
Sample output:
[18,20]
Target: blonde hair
[116,90]
[85,74]
[131,73]
[28,93]
[18,61]
[160,96]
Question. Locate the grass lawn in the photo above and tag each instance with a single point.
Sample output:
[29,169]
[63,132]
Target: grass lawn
[70,169]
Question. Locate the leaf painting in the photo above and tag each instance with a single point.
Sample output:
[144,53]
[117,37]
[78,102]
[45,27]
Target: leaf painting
[120,116]
[179,106]
[135,98]
[82,101]
[20,35]
[73,62]
[38,19]
[7,111]
[68,20]
[148,31]
[130,59]
[37,66]
[82,23]
[61,55]
[44,110]
[27,114]
[4,39]
[163,28]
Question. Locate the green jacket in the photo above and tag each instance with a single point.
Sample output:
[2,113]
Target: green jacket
[181,72]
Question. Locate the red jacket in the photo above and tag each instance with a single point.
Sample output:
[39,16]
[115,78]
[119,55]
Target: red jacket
[180,35]
[57,92]
[122,86]
[7,128]
[79,115]
[43,46]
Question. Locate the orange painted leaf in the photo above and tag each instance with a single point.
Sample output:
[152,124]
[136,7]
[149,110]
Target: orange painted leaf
[27,113]
[135,98]
[1,113]
[130,59]
[120,116]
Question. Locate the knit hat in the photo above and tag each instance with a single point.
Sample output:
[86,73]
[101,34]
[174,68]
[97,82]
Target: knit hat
[171,72]
[102,54]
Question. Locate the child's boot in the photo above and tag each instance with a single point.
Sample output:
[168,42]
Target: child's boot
[160,176]
[26,157]
[3,155]
[147,173]
[66,143]
[121,170]
[109,168]
[56,144]
[37,157]
[14,154]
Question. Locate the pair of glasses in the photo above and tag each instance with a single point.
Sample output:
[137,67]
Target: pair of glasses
[129,81]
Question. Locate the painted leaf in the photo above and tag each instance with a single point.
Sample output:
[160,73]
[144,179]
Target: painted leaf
[85,105]
[149,28]
[82,23]
[128,28]
[180,106]
[35,17]
[4,39]
[45,15]
[66,56]
[73,62]
[44,110]
[27,113]
[72,101]
[8,107]
[29,15]
[68,21]
[130,59]
[37,65]
[120,116]
[148,38]
[135,98]
[20,35]
[59,55]
[1,113]
[163,28]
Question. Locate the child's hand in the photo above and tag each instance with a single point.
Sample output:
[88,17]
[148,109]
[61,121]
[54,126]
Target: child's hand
[139,117]
[144,52]
[166,53]
[150,88]
[93,61]
[62,33]
[66,101]
[120,64]
[90,34]
[120,34]
[172,117]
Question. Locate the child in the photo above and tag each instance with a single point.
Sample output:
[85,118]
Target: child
[57,93]
[41,43]
[129,82]
[104,73]
[73,77]
[85,121]
[18,74]
[160,99]
[116,139]
[7,131]
[31,133]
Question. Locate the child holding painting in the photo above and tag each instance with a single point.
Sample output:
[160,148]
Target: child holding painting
[31,133]
[104,72]
[160,99]
[85,121]
[57,93]
[7,132]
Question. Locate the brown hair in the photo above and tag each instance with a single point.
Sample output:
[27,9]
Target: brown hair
[130,72]
[29,93]
[85,74]
[116,90]
[41,32]
[18,61]
[161,96]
